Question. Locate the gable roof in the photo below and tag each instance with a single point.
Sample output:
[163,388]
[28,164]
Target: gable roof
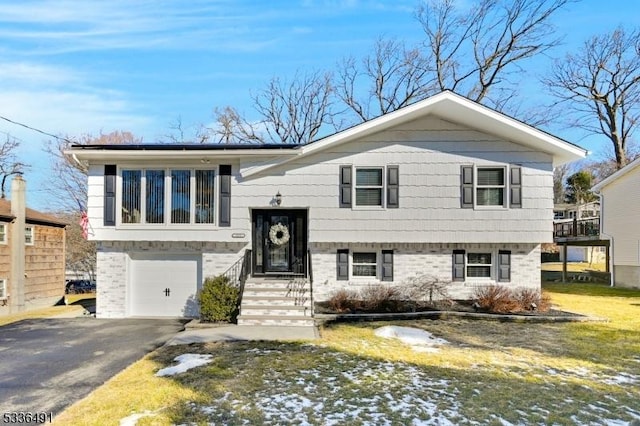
[617,175]
[32,216]
[446,105]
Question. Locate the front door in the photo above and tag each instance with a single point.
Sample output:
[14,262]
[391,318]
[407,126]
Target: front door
[279,242]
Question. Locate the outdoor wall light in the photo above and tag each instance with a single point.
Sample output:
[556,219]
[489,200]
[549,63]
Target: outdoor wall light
[205,161]
[278,198]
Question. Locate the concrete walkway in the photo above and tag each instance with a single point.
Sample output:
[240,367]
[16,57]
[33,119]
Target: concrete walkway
[242,332]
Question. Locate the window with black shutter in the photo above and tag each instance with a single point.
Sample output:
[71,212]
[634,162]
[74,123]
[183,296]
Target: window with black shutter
[342,266]
[109,214]
[458,265]
[504,266]
[387,265]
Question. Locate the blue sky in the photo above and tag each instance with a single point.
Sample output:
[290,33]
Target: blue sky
[75,67]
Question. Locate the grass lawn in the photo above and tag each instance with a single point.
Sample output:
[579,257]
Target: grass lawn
[489,373]
[573,266]
[73,307]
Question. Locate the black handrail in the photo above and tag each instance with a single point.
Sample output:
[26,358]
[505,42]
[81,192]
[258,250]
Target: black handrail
[577,228]
[310,274]
[238,272]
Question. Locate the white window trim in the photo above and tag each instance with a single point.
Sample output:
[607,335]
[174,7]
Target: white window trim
[365,277]
[167,200]
[3,289]
[383,188]
[505,187]
[492,266]
[32,232]
[4,238]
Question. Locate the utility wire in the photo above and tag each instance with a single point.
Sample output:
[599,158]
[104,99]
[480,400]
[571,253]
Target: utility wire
[36,130]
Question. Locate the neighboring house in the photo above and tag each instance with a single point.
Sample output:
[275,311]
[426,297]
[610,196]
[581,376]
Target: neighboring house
[32,270]
[576,211]
[620,222]
[588,254]
[445,187]
[582,217]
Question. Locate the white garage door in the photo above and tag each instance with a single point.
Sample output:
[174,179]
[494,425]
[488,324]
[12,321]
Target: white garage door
[164,285]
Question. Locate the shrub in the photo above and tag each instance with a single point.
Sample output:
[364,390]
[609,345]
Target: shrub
[502,300]
[218,300]
[533,300]
[497,299]
[379,298]
[342,301]
[429,288]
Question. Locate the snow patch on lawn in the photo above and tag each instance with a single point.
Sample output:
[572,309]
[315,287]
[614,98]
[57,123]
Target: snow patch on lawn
[185,362]
[419,340]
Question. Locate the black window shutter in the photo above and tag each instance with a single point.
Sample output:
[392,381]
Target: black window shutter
[458,265]
[466,196]
[109,215]
[504,266]
[343,265]
[345,186]
[225,196]
[516,187]
[387,265]
[393,185]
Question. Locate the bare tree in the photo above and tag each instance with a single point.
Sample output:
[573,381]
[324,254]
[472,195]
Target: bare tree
[69,178]
[477,50]
[599,88]
[9,164]
[80,254]
[294,112]
[291,112]
[393,76]
[559,178]
[232,127]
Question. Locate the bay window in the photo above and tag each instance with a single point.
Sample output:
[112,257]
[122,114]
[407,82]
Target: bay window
[168,196]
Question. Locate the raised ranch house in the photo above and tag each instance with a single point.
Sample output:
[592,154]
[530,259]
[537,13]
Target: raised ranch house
[620,222]
[445,187]
[32,255]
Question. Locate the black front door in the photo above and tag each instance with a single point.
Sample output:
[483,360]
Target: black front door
[279,242]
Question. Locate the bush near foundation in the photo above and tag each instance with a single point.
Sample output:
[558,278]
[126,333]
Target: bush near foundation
[503,300]
[218,300]
[374,298]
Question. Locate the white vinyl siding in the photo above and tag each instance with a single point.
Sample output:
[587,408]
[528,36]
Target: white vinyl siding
[620,207]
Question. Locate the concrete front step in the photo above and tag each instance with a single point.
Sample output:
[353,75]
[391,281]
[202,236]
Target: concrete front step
[276,301]
[278,311]
[274,292]
[301,321]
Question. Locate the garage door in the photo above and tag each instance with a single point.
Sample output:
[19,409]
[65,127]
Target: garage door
[164,285]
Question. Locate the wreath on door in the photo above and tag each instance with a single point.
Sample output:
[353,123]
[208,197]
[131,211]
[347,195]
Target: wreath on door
[279,234]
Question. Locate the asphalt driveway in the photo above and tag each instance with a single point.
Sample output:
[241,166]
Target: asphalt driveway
[47,364]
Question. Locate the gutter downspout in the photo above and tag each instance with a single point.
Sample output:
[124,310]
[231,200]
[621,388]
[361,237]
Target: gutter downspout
[608,237]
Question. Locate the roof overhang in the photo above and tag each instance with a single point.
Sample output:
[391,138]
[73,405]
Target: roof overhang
[617,175]
[168,151]
[455,108]
[446,105]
